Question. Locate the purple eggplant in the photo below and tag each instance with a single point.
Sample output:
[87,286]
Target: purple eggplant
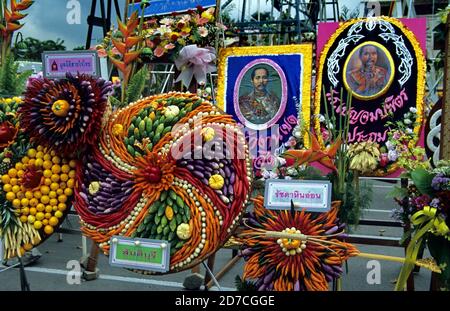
[332,230]
[269,276]
[297,286]
[198,174]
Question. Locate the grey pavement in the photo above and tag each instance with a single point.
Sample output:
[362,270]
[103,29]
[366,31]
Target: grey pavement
[50,272]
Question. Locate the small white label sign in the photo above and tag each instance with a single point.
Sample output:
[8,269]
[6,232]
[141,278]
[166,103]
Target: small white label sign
[310,195]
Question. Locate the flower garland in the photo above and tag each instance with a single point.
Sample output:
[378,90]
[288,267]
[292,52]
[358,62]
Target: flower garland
[145,179]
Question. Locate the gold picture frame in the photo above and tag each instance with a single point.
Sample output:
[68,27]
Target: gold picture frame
[384,73]
[274,53]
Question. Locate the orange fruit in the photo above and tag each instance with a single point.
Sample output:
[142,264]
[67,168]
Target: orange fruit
[45,199]
[62,207]
[55,178]
[40,216]
[62,198]
[53,221]
[28,247]
[10,196]
[37,224]
[48,229]
[12,172]
[40,207]
[6,179]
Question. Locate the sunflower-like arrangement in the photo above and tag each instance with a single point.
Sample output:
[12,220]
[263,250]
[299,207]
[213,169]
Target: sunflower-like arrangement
[65,115]
[168,167]
[287,251]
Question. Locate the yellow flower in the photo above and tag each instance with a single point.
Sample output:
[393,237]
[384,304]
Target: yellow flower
[117,129]
[186,29]
[184,231]
[208,15]
[208,134]
[216,182]
[94,187]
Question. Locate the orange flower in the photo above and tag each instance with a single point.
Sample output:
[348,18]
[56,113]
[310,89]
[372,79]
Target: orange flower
[154,173]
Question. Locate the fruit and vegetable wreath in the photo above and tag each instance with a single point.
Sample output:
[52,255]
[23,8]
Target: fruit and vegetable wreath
[38,140]
[168,167]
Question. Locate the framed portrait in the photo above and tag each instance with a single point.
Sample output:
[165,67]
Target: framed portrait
[267,90]
[368,70]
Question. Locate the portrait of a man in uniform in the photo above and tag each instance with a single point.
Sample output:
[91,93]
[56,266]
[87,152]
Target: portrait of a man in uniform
[261,103]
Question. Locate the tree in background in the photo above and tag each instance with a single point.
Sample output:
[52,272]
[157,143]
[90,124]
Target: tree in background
[31,49]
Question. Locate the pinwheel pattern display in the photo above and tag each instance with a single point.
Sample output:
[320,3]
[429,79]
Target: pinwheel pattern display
[168,167]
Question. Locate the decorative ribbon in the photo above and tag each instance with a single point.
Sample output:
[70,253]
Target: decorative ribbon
[426,220]
[195,62]
[429,214]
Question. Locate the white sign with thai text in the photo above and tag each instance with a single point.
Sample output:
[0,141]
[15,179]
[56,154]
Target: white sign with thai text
[310,195]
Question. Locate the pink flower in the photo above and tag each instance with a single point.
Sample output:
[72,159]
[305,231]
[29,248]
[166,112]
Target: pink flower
[102,53]
[325,134]
[169,46]
[115,51]
[396,135]
[159,51]
[384,159]
[202,31]
[166,21]
[221,26]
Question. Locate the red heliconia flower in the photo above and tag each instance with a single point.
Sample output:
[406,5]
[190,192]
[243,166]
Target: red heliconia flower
[8,133]
[65,115]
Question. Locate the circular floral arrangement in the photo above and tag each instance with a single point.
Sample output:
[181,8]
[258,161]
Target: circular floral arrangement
[169,167]
[37,187]
[65,115]
[284,263]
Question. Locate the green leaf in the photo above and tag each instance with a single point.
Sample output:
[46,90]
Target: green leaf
[115,102]
[422,179]
[136,85]
[398,193]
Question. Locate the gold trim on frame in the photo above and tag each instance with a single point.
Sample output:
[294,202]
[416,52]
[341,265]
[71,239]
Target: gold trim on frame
[306,50]
[391,64]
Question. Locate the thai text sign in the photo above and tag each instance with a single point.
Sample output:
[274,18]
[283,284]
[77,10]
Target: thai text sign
[144,254]
[311,195]
[162,7]
[58,63]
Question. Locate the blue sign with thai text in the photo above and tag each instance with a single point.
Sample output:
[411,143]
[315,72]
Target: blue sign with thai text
[163,7]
